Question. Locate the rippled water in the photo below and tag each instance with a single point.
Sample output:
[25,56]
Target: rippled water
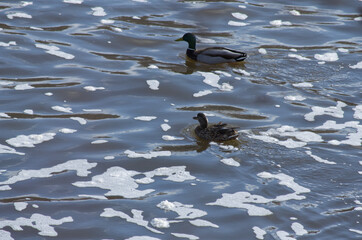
[97,101]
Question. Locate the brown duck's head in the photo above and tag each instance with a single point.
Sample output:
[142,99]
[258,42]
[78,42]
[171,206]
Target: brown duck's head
[202,120]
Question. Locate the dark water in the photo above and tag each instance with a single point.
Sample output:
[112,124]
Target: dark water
[79,161]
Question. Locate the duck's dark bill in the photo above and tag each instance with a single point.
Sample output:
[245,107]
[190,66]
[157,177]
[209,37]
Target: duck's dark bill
[195,118]
[179,39]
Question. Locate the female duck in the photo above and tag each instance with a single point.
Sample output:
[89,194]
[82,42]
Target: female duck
[211,55]
[218,132]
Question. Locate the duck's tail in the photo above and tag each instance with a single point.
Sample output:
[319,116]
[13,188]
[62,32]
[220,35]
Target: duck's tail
[241,57]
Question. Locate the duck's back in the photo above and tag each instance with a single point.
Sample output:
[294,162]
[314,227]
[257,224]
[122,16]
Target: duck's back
[217,132]
[219,55]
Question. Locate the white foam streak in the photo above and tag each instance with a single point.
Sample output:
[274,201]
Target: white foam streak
[30,140]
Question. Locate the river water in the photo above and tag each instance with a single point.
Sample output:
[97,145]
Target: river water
[97,139]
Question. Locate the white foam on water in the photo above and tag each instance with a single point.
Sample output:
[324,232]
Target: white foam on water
[303,85]
[81,121]
[298,229]
[289,143]
[242,72]
[30,140]
[343,50]
[122,182]
[153,84]
[109,157]
[23,86]
[149,155]
[92,110]
[174,174]
[92,89]
[293,50]
[319,159]
[100,141]
[145,118]
[152,66]
[35,206]
[18,15]
[357,112]
[165,127]
[67,130]
[237,24]
[160,223]
[284,235]
[20,206]
[107,21]
[334,111]
[136,218]
[4,115]
[73,1]
[183,235]
[297,56]
[5,235]
[357,66]
[262,51]
[230,162]
[37,221]
[98,12]
[259,233]
[203,223]
[48,94]
[241,6]
[355,231]
[5,188]
[294,12]
[117,29]
[9,150]
[303,137]
[357,18]
[143,1]
[29,111]
[36,28]
[294,98]
[171,138]
[81,166]
[4,44]
[183,210]
[285,180]
[211,79]
[278,23]
[118,181]
[202,93]
[327,57]
[54,50]
[240,16]
[353,138]
[243,200]
[226,74]
[62,109]
[142,237]
[26,3]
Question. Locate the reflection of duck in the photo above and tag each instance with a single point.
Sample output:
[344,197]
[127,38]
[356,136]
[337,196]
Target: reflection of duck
[218,132]
[211,55]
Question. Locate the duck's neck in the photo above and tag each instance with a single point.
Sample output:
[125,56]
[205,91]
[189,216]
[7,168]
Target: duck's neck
[191,53]
[203,123]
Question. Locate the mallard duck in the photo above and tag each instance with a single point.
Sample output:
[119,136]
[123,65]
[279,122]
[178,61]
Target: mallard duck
[211,55]
[218,132]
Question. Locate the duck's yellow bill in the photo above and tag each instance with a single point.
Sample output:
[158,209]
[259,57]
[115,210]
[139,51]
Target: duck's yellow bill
[180,39]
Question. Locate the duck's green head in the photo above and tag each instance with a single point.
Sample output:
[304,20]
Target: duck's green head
[190,38]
